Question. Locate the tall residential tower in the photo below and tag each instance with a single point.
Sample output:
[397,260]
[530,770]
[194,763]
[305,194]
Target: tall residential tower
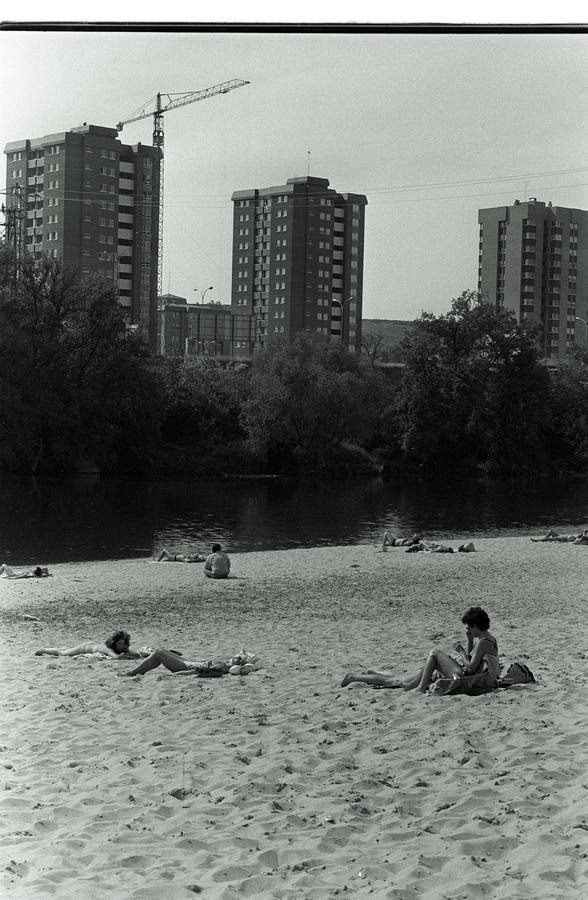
[298,260]
[92,202]
[533,260]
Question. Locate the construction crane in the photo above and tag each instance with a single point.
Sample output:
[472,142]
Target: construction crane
[173,101]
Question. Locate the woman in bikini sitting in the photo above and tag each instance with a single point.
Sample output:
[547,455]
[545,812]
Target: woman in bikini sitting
[477,669]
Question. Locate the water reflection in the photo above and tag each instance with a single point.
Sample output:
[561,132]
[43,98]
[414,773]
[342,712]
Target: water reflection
[52,520]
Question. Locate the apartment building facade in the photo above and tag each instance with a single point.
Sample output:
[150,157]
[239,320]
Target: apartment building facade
[92,202]
[212,329]
[533,260]
[298,260]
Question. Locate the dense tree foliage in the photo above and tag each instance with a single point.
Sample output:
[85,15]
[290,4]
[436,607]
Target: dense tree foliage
[474,394]
[72,380]
[309,404]
[75,384]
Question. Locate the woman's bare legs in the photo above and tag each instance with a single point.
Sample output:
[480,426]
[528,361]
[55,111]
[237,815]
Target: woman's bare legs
[437,662]
[376,679]
[159,658]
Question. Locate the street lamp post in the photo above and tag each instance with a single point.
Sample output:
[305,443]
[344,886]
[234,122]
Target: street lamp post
[203,293]
[342,304]
[580,319]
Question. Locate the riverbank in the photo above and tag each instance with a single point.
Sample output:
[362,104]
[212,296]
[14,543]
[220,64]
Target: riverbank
[282,784]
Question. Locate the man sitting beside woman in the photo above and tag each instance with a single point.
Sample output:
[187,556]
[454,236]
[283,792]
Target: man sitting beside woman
[476,671]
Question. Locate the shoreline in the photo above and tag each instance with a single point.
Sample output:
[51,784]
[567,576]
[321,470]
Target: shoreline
[282,784]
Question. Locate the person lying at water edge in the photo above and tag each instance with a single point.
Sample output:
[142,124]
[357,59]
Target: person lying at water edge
[166,556]
[551,535]
[36,572]
[391,541]
[478,662]
[116,647]
[434,547]
[218,564]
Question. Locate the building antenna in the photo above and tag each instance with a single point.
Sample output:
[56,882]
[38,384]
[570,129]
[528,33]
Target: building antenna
[308,163]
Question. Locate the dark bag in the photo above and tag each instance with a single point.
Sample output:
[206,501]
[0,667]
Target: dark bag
[517,673]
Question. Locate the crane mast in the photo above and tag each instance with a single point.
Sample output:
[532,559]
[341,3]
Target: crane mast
[174,101]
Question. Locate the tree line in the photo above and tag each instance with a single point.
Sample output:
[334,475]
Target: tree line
[474,397]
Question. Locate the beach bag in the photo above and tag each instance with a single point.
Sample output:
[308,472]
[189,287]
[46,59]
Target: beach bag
[517,673]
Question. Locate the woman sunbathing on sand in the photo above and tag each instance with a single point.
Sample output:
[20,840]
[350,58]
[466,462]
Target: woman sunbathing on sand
[479,662]
[391,541]
[551,535]
[36,572]
[166,556]
[170,659]
[116,647]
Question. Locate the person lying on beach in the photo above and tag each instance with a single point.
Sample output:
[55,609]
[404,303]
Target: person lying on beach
[166,556]
[552,535]
[391,541]
[433,547]
[170,659]
[116,647]
[478,662]
[36,572]
[218,564]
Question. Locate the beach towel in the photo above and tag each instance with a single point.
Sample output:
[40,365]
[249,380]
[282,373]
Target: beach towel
[473,685]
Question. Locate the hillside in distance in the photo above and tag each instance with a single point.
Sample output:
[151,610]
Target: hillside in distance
[381,337]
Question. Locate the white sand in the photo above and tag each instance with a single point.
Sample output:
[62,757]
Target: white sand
[282,784]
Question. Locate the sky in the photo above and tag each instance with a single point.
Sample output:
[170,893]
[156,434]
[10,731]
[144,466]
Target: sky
[431,127]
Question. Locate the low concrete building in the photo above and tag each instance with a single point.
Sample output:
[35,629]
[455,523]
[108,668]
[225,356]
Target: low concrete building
[211,329]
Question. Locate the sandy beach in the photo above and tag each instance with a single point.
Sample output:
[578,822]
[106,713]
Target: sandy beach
[283,784]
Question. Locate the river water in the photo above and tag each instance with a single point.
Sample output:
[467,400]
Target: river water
[57,520]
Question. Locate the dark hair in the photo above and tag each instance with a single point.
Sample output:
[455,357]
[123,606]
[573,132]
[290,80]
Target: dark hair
[477,617]
[216,548]
[115,638]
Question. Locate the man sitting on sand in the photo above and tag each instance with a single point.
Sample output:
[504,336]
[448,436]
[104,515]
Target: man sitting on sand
[478,667]
[218,564]
[37,572]
[115,647]
[166,556]
[552,535]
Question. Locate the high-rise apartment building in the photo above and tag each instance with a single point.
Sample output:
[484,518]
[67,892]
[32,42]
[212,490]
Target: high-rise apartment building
[89,200]
[298,260]
[533,260]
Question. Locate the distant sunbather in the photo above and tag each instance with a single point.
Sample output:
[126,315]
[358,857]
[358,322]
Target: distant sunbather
[36,572]
[552,535]
[391,541]
[116,647]
[479,666]
[166,556]
[434,547]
